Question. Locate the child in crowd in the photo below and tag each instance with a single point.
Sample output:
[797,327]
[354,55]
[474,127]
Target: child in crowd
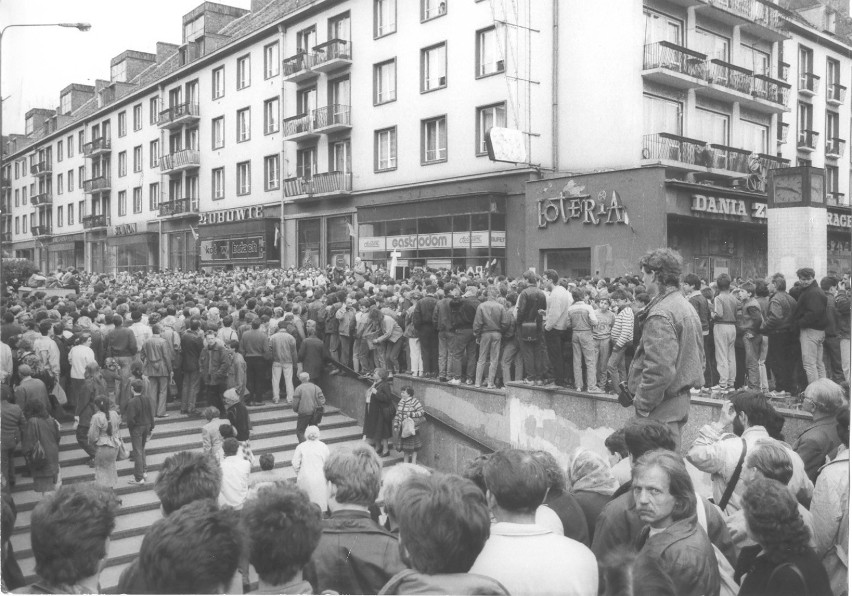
[601,335]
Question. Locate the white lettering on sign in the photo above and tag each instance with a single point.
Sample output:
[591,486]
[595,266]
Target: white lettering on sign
[231,215]
[839,220]
[498,239]
[419,242]
[125,229]
[726,206]
[606,207]
[371,244]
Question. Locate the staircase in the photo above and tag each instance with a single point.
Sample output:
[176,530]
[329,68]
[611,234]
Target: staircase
[274,431]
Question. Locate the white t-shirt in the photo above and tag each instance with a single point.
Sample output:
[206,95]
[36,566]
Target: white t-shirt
[235,481]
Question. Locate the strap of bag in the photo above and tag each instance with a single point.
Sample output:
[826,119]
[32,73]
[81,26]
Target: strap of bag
[732,483]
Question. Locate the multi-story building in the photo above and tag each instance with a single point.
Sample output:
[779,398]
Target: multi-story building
[305,133]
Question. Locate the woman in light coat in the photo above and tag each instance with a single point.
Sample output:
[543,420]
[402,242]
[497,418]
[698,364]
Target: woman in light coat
[103,434]
[308,462]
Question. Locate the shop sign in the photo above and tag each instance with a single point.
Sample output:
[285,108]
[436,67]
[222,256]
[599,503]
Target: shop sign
[371,244]
[124,229]
[231,215]
[839,220]
[233,249]
[471,239]
[574,202]
[214,250]
[498,239]
[724,206]
[420,242]
[475,239]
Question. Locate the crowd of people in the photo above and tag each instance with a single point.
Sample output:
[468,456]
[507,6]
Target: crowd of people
[113,354]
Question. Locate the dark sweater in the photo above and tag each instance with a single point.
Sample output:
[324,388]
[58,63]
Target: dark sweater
[140,412]
[767,578]
[810,312]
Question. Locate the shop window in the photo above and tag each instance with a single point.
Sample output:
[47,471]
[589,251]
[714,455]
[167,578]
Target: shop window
[487,117]
[308,231]
[575,262]
[384,17]
[339,240]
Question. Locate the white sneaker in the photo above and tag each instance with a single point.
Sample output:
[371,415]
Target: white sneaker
[454,382]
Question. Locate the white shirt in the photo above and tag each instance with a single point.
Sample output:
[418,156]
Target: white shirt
[6,364]
[235,481]
[79,357]
[557,308]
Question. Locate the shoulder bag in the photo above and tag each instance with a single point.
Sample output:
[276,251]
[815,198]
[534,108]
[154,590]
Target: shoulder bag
[732,483]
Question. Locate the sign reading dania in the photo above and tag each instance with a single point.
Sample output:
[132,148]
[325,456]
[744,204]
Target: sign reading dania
[574,202]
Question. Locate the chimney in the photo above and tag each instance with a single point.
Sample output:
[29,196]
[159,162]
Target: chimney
[74,96]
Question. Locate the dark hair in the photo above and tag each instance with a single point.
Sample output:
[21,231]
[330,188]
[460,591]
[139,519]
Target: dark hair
[619,294]
[555,473]
[773,517]
[227,430]
[843,425]
[780,281]
[723,282]
[517,480]
[643,298]
[616,444]
[194,324]
[195,550]
[551,274]
[407,389]
[187,477]
[680,483]
[69,530]
[45,326]
[665,263]
[283,528]
[646,434]
[806,272]
[756,406]
[748,287]
[230,446]
[771,460]
[102,404]
[443,522]
[761,288]
[624,572]
[475,471]
[267,462]
[693,280]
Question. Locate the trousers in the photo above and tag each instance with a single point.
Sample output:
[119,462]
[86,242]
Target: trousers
[279,369]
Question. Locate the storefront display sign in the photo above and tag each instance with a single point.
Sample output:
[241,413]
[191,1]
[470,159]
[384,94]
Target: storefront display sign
[233,249]
[231,215]
[840,220]
[474,239]
[124,229]
[574,202]
[420,242]
[727,206]
[498,239]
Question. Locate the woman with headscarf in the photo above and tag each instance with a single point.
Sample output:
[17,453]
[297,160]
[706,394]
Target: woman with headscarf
[104,435]
[42,428]
[308,462]
[591,482]
[380,412]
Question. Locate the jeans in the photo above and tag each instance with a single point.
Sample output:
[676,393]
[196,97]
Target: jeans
[138,438]
[604,346]
[255,377]
[812,341]
[278,369]
[555,340]
[390,354]
[489,351]
[512,355]
[845,347]
[780,359]
[726,359]
[158,392]
[429,348]
[761,363]
[586,351]
[445,342]
[832,360]
[616,367]
[416,357]
[82,435]
[752,346]
[189,391]
[463,354]
[533,353]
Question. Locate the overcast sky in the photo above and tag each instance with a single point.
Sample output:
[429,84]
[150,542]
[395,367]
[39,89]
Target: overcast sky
[38,62]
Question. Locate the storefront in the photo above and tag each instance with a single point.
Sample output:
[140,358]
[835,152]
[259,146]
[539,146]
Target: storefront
[179,243]
[324,240]
[241,237]
[24,250]
[131,247]
[839,240]
[66,251]
[97,243]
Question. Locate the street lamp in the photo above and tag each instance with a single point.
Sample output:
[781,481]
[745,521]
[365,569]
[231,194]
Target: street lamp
[79,26]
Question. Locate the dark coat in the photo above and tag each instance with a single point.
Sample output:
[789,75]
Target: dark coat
[238,415]
[815,442]
[11,425]
[423,311]
[570,513]
[592,504]
[214,365]
[312,354]
[764,580]
[191,344]
[354,555]
[46,430]
[86,407]
[380,411]
[810,312]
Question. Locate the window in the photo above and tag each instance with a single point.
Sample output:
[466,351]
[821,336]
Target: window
[137,117]
[17,197]
[340,156]
[70,180]
[26,229]
[122,124]
[662,27]
[433,68]
[271,172]
[434,135]
[17,225]
[137,199]
[81,175]
[122,202]
[806,61]
[60,184]
[60,150]
[175,185]
[175,96]
[384,82]
[154,196]
[662,115]
[65,102]
[122,164]
[137,158]
[219,82]
[306,162]
[487,117]
[17,170]
[81,210]
[715,46]
[218,132]
[432,8]
[832,126]
[832,71]
[306,101]
[755,136]
[806,116]
[191,135]
[153,109]
[270,116]
[60,215]
[218,183]
[338,96]
[81,140]
[831,179]
[154,153]
[712,127]
[306,39]
[244,72]
[756,60]
[488,60]
[70,143]
[243,125]
[193,29]
[384,17]
[386,149]
[244,178]
[271,61]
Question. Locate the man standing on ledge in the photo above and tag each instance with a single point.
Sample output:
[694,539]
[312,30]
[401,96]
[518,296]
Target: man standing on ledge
[669,360]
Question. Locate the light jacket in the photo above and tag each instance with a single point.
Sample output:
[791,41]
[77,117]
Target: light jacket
[583,317]
[490,317]
[558,303]
[156,355]
[830,508]
[283,346]
[307,398]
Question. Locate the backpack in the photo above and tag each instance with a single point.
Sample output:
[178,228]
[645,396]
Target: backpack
[727,585]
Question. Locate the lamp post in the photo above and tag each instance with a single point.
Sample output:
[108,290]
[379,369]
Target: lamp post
[78,26]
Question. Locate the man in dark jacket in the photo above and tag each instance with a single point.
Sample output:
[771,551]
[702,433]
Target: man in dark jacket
[749,325]
[140,424]
[778,327]
[692,290]
[11,432]
[191,344]
[253,346]
[427,332]
[214,366]
[442,321]
[810,319]
[831,351]
[355,555]
[531,303]
[121,345]
[463,348]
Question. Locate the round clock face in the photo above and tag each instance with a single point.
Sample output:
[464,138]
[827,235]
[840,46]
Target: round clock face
[788,189]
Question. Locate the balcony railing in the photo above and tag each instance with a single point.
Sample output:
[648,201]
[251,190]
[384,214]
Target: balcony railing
[731,76]
[300,126]
[731,158]
[664,54]
[332,54]
[41,230]
[670,147]
[186,206]
[97,146]
[756,11]
[319,184]
[771,89]
[5,237]
[101,183]
[298,67]
[808,140]
[41,168]
[834,148]
[335,115]
[773,162]
[836,93]
[835,198]
[91,222]
[42,198]
[808,83]
[180,160]
[179,114]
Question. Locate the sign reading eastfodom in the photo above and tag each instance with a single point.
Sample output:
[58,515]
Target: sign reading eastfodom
[231,215]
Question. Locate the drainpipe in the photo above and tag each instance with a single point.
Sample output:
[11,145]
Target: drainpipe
[555,89]
[282,152]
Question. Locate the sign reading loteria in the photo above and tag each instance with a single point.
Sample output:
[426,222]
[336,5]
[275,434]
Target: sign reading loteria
[231,215]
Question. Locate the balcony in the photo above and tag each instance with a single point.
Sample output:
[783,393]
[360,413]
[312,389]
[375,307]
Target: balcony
[42,231]
[807,140]
[332,118]
[332,55]
[298,68]
[177,116]
[42,168]
[731,159]
[5,237]
[179,207]
[772,162]
[673,65]
[41,199]
[97,184]
[329,184]
[675,150]
[836,94]
[834,148]
[808,84]
[186,159]
[835,198]
[300,127]
[97,147]
[758,17]
[767,89]
[95,222]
